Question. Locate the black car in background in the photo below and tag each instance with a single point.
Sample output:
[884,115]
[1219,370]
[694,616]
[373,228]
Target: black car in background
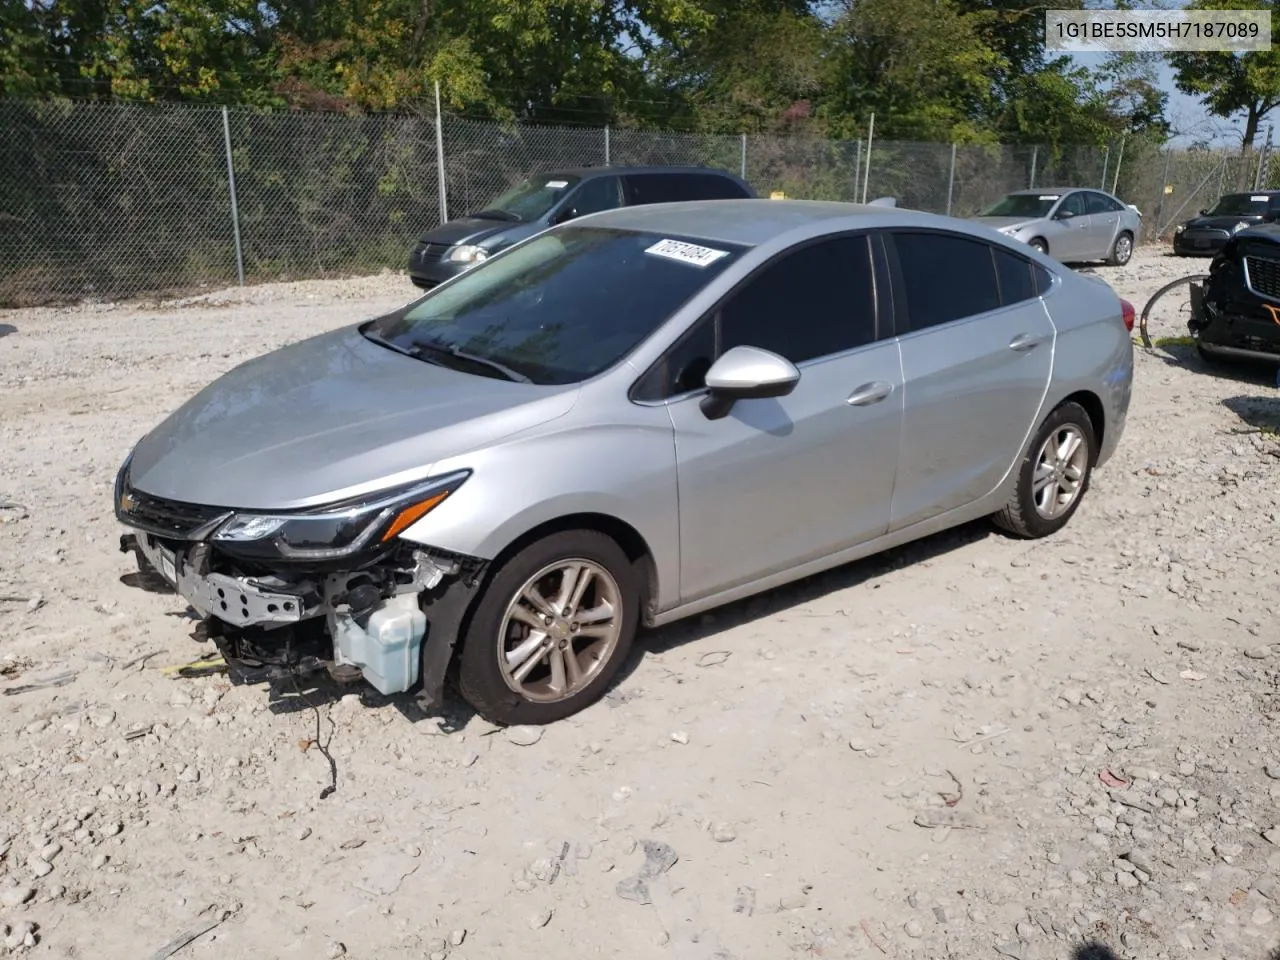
[1235,313]
[547,199]
[1206,234]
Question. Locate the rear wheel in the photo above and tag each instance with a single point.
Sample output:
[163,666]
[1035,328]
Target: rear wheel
[551,630]
[1121,250]
[1053,476]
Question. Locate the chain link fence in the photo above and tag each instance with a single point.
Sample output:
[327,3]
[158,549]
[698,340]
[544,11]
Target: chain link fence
[112,200]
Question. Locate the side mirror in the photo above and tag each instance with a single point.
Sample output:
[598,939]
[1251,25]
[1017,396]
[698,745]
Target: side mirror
[565,215]
[1204,213]
[746,373]
[1063,215]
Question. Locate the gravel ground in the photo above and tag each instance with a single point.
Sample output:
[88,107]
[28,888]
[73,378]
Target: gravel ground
[971,747]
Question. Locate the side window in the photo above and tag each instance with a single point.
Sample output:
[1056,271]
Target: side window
[1042,279]
[833,278]
[945,277]
[600,193]
[1097,203]
[645,188]
[707,186]
[1075,204]
[1014,273]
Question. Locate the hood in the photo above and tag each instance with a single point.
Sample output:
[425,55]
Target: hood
[328,418]
[1222,223]
[1006,223]
[467,230]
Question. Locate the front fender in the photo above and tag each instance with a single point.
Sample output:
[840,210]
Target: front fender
[625,470]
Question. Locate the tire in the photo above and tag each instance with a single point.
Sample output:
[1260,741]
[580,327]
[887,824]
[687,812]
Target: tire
[1022,515]
[487,675]
[1121,250]
[1039,246]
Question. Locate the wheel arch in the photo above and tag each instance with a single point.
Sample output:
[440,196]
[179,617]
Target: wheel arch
[1093,406]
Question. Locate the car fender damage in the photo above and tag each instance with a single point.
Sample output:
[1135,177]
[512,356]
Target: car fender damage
[393,622]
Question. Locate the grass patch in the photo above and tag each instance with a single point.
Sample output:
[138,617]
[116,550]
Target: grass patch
[1173,342]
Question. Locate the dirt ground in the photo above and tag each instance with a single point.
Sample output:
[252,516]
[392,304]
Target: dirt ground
[971,747]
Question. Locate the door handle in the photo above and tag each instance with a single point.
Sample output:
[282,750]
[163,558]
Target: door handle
[1023,342]
[869,393]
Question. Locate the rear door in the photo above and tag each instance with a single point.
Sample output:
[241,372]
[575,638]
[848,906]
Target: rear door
[977,353]
[593,196]
[1104,223]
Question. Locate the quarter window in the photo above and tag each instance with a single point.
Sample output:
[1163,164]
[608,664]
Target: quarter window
[1014,273]
[944,278]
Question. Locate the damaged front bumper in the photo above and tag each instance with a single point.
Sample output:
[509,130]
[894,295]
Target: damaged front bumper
[392,621]
[1231,316]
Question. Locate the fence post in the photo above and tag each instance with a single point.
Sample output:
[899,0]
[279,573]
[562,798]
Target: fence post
[857,171]
[235,205]
[606,145]
[1035,155]
[866,177]
[1115,178]
[1164,186]
[951,179]
[1106,161]
[444,198]
[744,156]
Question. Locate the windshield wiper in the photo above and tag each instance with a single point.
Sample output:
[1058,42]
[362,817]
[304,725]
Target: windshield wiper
[453,350]
[384,342]
[491,213]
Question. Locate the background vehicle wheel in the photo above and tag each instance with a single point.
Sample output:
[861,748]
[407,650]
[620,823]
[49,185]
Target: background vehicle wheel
[551,629]
[1053,476]
[1039,246]
[1121,250]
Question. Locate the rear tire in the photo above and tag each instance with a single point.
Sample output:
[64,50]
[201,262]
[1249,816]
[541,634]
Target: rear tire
[1053,476]
[515,665]
[1121,250]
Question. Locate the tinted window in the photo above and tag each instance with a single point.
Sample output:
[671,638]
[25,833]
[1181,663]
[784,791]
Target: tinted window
[832,280]
[708,186]
[1024,205]
[1075,203]
[1014,273]
[945,277]
[563,307]
[1042,279]
[1097,203]
[676,187]
[594,196]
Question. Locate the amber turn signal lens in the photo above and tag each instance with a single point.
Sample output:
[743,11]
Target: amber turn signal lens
[409,515]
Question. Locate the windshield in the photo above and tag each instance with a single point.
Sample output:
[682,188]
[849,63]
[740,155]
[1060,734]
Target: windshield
[558,309]
[530,199]
[1241,205]
[1029,205]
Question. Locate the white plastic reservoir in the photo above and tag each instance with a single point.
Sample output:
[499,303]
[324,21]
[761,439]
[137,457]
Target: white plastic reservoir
[386,647]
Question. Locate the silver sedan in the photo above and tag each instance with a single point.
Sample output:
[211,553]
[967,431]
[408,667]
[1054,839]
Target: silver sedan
[1070,224]
[621,422]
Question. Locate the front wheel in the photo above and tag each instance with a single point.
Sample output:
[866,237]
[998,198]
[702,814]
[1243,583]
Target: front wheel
[1053,476]
[551,630]
[1038,245]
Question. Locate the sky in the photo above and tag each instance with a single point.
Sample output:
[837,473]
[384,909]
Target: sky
[1190,120]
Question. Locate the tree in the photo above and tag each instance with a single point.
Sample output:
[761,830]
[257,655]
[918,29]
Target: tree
[1230,84]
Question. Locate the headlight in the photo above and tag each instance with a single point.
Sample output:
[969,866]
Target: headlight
[337,530]
[468,253]
[1180,228]
[1240,226]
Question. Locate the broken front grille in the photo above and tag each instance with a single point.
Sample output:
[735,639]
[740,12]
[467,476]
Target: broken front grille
[169,519]
[1263,276]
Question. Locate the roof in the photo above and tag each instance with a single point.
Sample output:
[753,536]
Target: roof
[602,169]
[1031,190]
[751,222]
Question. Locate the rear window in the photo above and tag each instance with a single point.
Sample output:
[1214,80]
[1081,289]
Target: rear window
[562,307]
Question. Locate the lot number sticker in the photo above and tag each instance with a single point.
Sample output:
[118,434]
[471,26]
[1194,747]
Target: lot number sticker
[689,253]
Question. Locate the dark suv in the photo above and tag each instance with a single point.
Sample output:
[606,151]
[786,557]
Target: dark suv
[546,199]
[1235,313]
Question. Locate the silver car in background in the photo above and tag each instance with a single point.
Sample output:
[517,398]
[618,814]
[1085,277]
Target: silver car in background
[623,421]
[1071,225]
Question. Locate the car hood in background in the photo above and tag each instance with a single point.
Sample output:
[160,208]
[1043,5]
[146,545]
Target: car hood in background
[1221,223]
[466,230]
[329,417]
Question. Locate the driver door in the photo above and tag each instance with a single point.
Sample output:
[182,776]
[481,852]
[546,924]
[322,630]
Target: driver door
[779,482]
[1072,240]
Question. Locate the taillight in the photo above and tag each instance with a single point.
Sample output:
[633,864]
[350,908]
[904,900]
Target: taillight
[1127,314]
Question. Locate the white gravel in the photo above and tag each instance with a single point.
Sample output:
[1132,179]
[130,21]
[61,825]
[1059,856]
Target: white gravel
[970,747]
